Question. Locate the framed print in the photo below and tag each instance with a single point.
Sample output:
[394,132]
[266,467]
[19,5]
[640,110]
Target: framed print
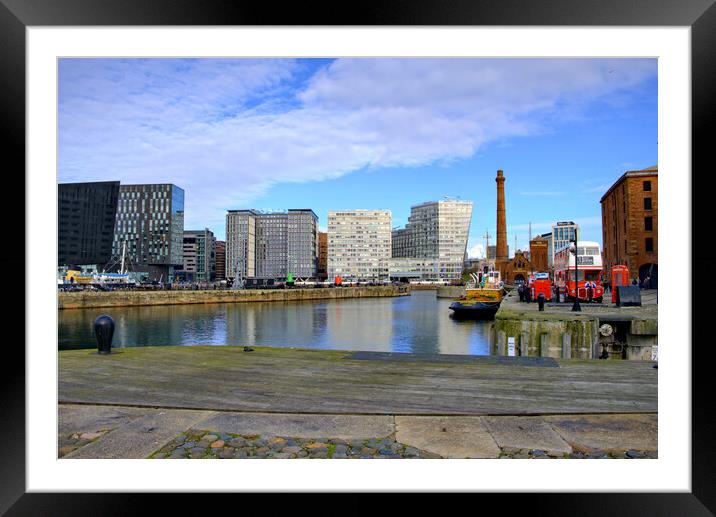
[116,88]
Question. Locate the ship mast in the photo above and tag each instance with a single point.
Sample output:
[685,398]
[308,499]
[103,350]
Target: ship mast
[124,249]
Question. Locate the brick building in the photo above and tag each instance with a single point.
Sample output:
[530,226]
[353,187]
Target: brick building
[322,271]
[539,252]
[630,223]
[517,269]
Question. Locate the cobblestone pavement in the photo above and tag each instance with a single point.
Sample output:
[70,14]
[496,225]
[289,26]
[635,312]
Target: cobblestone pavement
[195,444]
[215,445]
[70,442]
[510,453]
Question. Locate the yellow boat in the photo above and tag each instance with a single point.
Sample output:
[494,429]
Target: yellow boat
[482,296]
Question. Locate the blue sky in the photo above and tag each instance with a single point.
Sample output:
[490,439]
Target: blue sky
[364,133]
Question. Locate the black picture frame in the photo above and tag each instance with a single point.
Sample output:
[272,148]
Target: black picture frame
[700,15]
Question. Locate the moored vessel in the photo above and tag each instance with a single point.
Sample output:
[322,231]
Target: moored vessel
[482,296]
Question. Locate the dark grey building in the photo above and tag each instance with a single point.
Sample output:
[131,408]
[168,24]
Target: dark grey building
[149,229]
[199,251]
[86,215]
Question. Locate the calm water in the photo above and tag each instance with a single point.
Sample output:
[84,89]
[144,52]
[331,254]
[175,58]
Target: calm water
[419,323]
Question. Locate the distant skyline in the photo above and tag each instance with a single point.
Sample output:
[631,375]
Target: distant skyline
[373,133]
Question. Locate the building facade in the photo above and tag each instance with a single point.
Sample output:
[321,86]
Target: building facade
[359,245]
[492,251]
[149,229]
[630,224]
[199,252]
[550,249]
[270,245]
[86,215]
[221,260]
[322,271]
[436,230]
[539,251]
[405,269]
[562,235]
[517,269]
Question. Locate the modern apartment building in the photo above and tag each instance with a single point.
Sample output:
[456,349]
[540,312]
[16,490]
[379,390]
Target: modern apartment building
[404,269]
[270,245]
[359,245]
[562,235]
[199,251]
[86,213]
[149,229]
[221,260]
[436,230]
[630,223]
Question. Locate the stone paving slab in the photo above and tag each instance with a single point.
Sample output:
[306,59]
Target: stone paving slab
[608,432]
[73,418]
[306,426]
[141,437]
[525,433]
[450,437]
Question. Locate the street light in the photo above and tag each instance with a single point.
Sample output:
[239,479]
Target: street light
[575,305]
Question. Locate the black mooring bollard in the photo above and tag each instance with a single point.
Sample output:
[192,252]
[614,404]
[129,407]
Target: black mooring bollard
[540,301]
[104,330]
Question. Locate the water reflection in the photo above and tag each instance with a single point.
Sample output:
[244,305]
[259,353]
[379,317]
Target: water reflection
[418,323]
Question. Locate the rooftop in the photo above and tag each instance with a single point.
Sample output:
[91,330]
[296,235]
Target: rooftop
[649,171]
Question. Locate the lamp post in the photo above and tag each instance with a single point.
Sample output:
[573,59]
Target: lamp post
[575,305]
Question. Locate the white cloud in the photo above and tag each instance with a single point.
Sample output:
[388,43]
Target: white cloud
[226,130]
[476,251]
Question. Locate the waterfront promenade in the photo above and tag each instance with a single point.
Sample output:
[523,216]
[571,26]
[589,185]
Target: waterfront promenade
[198,401]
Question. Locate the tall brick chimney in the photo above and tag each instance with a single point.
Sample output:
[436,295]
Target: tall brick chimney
[501,251]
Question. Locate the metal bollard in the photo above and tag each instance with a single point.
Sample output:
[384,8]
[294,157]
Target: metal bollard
[103,331]
[540,301]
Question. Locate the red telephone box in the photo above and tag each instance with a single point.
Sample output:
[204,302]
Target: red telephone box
[620,276]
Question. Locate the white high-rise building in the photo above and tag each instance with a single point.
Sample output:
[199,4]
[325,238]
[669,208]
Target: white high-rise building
[436,230]
[359,245]
[562,235]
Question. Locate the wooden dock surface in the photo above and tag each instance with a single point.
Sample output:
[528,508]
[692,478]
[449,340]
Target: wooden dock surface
[338,382]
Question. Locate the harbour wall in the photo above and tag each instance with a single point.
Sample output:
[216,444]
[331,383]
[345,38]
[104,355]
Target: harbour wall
[562,334]
[92,299]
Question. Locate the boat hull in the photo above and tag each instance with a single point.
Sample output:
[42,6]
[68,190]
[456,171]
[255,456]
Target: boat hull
[474,309]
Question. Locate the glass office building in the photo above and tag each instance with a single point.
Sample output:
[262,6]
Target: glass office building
[562,235]
[149,229]
[86,215]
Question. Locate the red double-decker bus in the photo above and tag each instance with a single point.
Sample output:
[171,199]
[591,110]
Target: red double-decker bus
[589,259]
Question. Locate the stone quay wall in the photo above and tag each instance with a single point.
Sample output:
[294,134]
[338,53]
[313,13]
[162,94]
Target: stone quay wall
[92,299]
[563,334]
